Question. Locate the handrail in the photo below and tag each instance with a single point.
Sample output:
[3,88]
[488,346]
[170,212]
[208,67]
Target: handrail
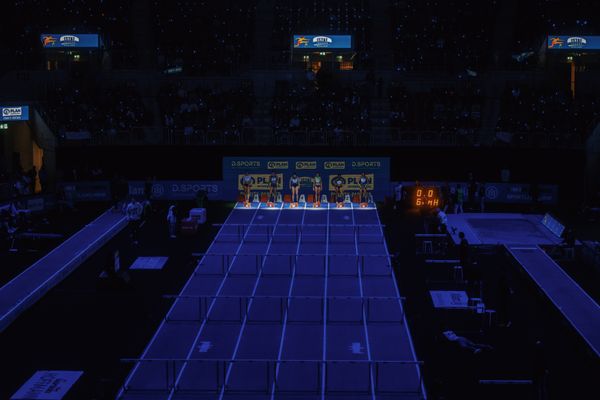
[374,136]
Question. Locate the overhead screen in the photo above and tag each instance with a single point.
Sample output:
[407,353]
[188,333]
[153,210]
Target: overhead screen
[65,41]
[14,113]
[573,43]
[320,42]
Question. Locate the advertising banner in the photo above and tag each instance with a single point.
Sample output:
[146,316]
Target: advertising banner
[350,182]
[321,42]
[87,191]
[178,190]
[67,40]
[261,182]
[376,169]
[573,43]
[14,113]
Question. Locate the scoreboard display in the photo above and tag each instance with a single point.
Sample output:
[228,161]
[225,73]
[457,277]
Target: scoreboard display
[426,197]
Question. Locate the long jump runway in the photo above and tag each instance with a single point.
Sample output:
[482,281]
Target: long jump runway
[287,303]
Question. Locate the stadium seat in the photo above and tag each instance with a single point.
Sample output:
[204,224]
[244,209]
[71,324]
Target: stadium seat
[264,198]
[310,198]
[287,198]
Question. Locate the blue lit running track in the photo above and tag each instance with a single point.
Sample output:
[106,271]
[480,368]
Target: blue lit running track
[287,303]
[582,312]
[33,283]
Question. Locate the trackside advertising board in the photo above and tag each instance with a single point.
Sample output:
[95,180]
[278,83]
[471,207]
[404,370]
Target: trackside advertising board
[377,171]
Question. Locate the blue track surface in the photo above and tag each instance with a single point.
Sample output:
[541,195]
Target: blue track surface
[286,304]
[30,285]
[582,312]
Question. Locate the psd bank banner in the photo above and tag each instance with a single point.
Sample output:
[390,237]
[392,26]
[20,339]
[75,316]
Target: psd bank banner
[260,182]
[14,113]
[377,170]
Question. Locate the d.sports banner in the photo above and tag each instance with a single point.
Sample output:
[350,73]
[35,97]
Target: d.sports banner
[377,170]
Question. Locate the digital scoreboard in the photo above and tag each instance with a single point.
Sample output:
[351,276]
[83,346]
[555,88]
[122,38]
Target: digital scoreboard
[426,197]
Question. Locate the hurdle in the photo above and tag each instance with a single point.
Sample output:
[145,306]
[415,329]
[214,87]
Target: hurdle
[214,371]
[226,260]
[237,308]
[266,232]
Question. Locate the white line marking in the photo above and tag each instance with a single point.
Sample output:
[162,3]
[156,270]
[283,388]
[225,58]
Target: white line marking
[364,316]
[285,316]
[133,371]
[213,302]
[323,369]
[239,339]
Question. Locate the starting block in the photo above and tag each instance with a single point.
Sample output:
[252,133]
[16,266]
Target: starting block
[256,198]
[302,199]
[347,199]
[323,199]
[279,199]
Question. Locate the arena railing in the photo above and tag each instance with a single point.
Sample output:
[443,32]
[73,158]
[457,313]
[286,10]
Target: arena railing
[260,136]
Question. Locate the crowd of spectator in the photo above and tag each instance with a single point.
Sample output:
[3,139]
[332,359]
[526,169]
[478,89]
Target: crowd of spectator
[81,110]
[307,106]
[206,114]
[205,36]
[448,35]
[22,183]
[441,109]
[554,113]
